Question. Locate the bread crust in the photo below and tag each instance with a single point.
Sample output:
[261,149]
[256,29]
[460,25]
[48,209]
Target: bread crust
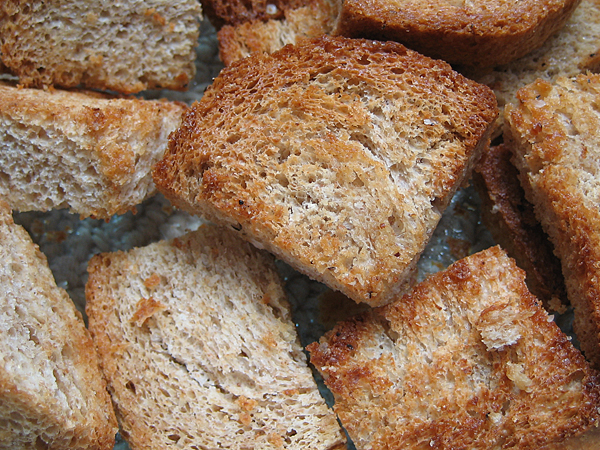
[553,133]
[337,155]
[510,218]
[480,34]
[89,152]
[467,360]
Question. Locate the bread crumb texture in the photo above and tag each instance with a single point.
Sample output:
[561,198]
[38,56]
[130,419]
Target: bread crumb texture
[337,155]
[84,151]
[125,46]
[51,390]
[468,33]
[467,360]
[553,131]
[207,355]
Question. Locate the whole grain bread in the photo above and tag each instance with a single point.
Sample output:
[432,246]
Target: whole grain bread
[52,394]
[84,151]
[337,155]
[314,18]
[467,360]
[196,340]
[553,134]
[573,49]
[478,34]
[127,46]
[237,12]
[511,220]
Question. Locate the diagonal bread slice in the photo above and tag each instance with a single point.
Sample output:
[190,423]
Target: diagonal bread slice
[196,340]
[553,134]
[84,151]
[52,394]
[337,155]
[467,360]
[511,220]
[467,33]
[312,19]
[126,46]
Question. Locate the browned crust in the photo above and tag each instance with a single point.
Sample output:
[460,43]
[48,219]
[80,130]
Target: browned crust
[512,222]
[547,159]
[236,12]
[484,35]
[218,160]
[402,380]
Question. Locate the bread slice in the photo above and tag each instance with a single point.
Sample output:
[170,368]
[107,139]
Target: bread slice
[553,133]
[52,394]
[84,151]
[315,18]
[196,340]
[126,47]
[237,12]
[511,220]
[478,34]
[571,50]
[467,360]
[338,155]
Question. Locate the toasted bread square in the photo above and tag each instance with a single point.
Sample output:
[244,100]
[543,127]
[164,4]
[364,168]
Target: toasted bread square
[52,394]
[199,349]
[467,360]
[84,151]
[553,132]
[470,33]
[338,155]
[126,46]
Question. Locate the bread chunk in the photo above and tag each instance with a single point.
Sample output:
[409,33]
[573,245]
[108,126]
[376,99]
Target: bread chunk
[467,360]
[237,12]
[553,133]
[83,151]
[573,49]
[127,46]
[52,394]
[196,340]
[337,155]
[511,220]
[478,33]
[315,18]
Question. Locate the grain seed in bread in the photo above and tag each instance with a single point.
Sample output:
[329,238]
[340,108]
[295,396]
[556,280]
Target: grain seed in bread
[467,360]
[338,155]
[199,349]
[84,151]
[553,132]
[52,394]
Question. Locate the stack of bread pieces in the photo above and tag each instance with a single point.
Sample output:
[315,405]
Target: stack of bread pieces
[333,141]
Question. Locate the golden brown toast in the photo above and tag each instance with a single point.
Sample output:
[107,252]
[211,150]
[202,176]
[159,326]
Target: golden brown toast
[467,360]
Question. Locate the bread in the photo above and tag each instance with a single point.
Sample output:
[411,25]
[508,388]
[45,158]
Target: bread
[510,218]
[84,151]
[571,50]
[467,360]
[477,34]
[337,155]
[553,133]
[199,348]
[51,390]
[126,47]
[315,18]
[237,12]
